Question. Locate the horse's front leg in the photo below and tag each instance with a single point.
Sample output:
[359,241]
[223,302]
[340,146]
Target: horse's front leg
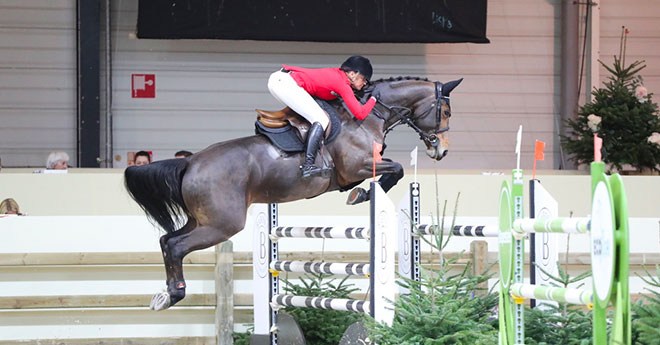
[391,172]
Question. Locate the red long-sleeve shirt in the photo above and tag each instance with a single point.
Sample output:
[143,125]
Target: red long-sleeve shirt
[321,82]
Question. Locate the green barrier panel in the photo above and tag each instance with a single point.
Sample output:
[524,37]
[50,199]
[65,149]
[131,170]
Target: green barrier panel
[609,234]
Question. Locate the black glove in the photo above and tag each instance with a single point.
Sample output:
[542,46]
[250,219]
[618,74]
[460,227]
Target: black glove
[375,94]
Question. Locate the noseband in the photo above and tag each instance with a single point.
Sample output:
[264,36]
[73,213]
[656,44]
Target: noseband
[403,116]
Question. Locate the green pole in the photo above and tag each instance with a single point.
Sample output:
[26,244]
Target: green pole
[600,305]
[518,254]
[505,239]
[621,332]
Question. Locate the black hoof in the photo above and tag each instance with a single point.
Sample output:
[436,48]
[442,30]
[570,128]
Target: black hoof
[357,196]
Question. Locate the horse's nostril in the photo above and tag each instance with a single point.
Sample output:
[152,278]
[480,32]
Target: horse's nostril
[445,153]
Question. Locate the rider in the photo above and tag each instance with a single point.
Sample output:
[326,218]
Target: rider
[295,86]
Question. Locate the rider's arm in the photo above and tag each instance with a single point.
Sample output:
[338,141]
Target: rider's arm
[358,110]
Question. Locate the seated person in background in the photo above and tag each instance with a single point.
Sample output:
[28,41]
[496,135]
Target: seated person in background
[142,158]
[182,154]
[9,206]
[57,161]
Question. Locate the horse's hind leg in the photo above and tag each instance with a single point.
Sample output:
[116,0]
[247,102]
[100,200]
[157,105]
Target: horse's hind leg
[176,247]
[162,300]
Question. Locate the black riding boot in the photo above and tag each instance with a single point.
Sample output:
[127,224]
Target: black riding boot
[314,137]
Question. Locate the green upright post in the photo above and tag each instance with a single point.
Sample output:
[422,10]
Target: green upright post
[621,332]
[505,239]
[518,254]
[600,302]
[511,257]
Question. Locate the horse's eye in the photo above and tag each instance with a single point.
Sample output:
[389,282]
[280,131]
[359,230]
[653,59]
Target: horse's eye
[447,113]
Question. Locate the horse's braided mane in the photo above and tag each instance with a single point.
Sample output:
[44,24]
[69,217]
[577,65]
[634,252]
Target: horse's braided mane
[395,82]
[400,78]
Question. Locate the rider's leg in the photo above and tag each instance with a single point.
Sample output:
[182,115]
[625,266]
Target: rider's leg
[314,139]
[285,89]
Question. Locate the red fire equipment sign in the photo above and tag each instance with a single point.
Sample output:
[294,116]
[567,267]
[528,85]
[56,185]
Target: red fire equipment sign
[143,85]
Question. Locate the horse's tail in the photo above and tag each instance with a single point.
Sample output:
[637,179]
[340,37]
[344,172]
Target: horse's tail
[156,187]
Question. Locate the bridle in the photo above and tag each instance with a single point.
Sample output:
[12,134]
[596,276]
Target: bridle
[403,116]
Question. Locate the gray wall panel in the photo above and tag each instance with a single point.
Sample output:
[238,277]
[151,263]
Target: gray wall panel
[207,89]
[37,81]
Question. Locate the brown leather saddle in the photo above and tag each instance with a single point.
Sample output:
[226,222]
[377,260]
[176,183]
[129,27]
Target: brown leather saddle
[281,118]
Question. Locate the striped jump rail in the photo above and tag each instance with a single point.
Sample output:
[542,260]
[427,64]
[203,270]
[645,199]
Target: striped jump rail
[336,268]
[460,230]
[320,232]
[410,229]
[562,295]
[555,225]
[342,304]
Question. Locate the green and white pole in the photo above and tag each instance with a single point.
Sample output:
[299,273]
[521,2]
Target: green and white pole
[506,245]
[550,293]
[518,255]
[511,256]
[521,227]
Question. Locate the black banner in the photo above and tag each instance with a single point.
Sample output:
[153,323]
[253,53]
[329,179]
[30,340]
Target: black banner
[404,21]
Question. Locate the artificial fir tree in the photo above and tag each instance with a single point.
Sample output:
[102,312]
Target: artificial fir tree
[624,115]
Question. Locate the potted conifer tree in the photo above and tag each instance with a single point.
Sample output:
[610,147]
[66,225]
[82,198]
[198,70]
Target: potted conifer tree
[624,115]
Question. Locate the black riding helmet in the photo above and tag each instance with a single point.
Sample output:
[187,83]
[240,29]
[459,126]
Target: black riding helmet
[359,64]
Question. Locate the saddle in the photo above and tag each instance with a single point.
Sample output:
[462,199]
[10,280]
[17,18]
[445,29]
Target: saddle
[288,131]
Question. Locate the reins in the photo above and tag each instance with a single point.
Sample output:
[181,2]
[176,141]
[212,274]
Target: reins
[403,116]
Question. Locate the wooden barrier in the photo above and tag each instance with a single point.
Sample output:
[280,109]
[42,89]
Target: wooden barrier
[242,270]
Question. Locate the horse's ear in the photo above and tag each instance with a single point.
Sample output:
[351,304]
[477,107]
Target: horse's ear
[449,86]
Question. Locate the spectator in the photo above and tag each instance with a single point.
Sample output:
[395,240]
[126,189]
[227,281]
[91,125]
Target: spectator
[142,158]
[58,161]
[182,154]
[9,206]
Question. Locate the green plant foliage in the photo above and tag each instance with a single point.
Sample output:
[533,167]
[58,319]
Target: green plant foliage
[562,325]
[565,324]
[626,121]
[646,324]
[441,309]
[321,327]
[242,338]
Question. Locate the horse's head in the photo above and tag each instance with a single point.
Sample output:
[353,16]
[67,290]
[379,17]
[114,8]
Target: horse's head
[421,104]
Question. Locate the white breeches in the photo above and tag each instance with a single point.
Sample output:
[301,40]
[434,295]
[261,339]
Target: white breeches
[282,86]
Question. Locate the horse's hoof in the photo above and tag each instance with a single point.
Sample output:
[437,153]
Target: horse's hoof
[160,301]
[357,196]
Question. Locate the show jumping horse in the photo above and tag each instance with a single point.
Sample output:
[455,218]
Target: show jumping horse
[202,200]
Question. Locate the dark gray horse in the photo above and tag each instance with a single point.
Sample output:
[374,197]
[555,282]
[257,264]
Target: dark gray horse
[202,200]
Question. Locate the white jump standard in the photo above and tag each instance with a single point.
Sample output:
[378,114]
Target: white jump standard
[380,269]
